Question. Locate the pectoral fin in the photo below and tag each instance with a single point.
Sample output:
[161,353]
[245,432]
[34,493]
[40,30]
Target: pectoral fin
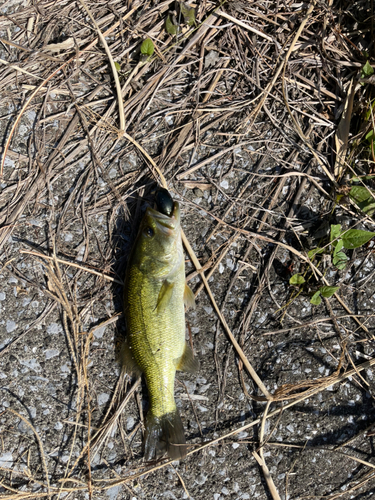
[165,296]
[189,298]
[187,362]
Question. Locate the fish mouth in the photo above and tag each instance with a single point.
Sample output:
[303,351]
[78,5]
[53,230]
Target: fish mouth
[166,223]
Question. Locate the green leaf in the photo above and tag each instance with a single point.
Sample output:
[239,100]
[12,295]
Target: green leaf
[337,246]
[335,231]
[359,194]
[339,197]
[297,279]
[341,265]
[367,70]
[171,25]
[188,13]
[147,47]
[316,298]
[371,107]
[328,291]
[118,67]
[363,198]
[314,252]
[370,136]
[355,238]
[363,178]
[339,257]
[369,208]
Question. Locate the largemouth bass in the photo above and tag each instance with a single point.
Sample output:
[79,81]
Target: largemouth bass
[154,297]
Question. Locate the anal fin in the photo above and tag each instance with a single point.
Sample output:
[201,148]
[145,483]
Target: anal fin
[187,363]
[127,361]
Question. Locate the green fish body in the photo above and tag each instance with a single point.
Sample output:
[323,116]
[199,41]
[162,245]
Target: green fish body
[154,297]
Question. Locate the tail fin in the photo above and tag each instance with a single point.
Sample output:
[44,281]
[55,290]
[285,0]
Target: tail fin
[165,434]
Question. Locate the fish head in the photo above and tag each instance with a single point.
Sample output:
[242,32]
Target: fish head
[158,248]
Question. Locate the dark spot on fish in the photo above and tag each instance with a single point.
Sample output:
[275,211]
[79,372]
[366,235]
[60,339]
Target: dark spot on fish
[164,202]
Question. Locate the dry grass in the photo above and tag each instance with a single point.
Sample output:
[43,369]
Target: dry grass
[252,88]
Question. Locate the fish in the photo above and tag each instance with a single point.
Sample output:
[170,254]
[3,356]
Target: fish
[155,296]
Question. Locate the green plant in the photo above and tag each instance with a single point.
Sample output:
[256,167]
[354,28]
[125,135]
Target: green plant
[363,197]
[338,240]
[171,25]
[188,13]
[367,70]
[297,279]
[324,291]
[185,14]
[339,258]
[147,49]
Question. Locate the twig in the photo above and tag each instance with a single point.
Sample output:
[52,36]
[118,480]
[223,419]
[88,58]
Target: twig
[113,67]
[40,444]
[73,264]
[244,25]
[260,458]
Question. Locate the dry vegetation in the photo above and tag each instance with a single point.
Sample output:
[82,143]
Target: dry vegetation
[256,119]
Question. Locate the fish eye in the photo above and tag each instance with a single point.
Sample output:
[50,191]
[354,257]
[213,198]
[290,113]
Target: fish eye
[149,232]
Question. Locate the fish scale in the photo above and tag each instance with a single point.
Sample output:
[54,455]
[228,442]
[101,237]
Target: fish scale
[157,340]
